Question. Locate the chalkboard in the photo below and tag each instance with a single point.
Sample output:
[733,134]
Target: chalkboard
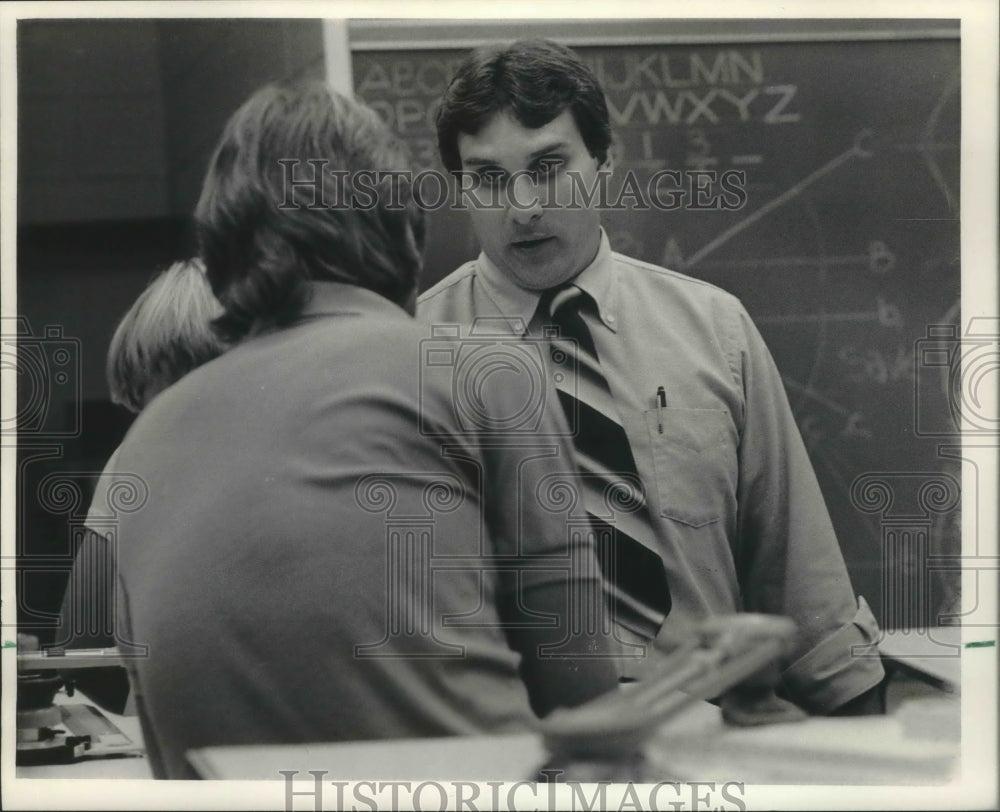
[845,250]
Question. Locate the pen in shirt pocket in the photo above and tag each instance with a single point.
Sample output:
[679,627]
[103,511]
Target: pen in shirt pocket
[661,401]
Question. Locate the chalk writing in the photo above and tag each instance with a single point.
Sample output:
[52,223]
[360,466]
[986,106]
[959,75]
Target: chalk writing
[871,365]
[770,105]
[629,70]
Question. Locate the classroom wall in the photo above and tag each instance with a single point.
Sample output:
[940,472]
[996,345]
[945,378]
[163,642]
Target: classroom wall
[208,68]
[91,137]
[117,119]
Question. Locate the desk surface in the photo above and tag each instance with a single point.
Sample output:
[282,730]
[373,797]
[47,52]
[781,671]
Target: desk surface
[918,742]
[96,767]
[935,652]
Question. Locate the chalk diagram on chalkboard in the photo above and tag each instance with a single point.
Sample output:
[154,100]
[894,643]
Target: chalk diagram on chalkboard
[806,388]
[848,370]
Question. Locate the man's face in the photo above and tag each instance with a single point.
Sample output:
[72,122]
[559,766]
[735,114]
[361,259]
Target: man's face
[541,234]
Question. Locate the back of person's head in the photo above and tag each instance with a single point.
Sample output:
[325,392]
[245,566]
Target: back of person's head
[164,335]
[535,80]
[283,205]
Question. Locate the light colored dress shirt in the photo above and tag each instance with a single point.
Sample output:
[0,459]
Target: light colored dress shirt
[739,518]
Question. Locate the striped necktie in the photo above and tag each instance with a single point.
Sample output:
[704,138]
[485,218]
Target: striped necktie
[635,579]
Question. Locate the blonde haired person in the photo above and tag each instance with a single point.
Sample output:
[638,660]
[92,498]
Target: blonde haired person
[164,335]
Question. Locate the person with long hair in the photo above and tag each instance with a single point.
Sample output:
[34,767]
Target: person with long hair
[330,550]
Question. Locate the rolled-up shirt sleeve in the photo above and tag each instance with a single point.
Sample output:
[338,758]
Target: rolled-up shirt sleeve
[823,679]
[788,556]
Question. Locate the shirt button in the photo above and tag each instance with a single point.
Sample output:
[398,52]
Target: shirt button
[610,319]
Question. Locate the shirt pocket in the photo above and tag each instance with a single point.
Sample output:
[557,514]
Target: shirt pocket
[694,459]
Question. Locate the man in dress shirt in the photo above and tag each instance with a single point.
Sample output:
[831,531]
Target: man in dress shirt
[737,518]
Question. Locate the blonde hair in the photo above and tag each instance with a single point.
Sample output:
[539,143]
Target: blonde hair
[164,335]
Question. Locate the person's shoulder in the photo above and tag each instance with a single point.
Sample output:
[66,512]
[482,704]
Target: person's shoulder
[679,284]
[454,284]
[372,322]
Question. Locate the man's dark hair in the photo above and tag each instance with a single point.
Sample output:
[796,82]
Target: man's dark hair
[263,237]
[536,80]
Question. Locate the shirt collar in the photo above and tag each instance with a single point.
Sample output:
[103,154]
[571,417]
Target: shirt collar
[598,280]
[340,299]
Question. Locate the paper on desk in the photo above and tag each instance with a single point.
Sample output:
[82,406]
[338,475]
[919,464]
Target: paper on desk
[850,750]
